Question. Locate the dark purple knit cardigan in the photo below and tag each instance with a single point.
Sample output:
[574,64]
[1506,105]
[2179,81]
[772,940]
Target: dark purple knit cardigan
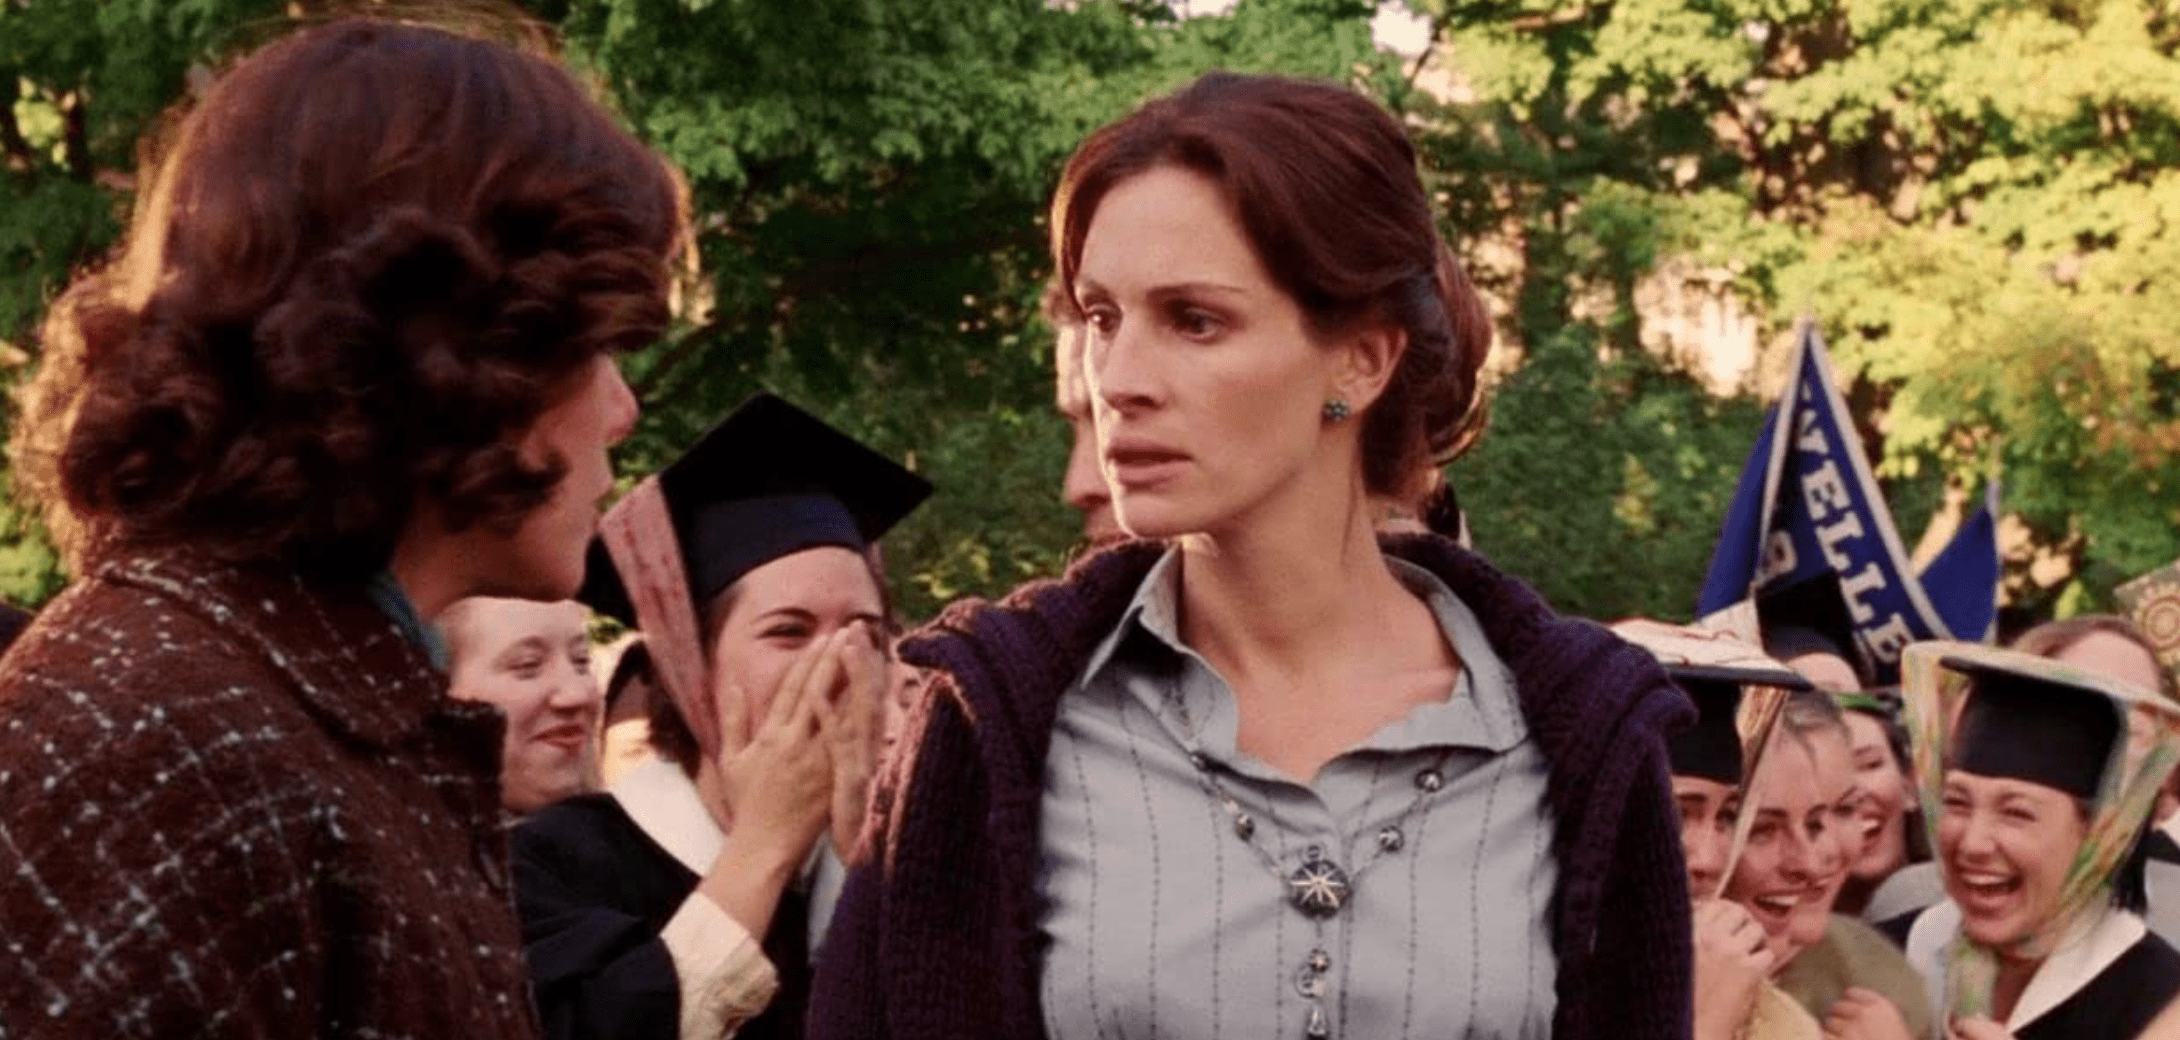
[937,937]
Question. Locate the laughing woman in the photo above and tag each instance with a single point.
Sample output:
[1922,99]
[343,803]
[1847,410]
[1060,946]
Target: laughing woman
[2041,777]
[1258,774]
[1806,829]
[681,904]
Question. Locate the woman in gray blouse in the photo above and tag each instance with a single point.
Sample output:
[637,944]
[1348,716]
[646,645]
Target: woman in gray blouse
[1257,774]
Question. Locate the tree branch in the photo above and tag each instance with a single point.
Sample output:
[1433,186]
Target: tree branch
[76,138]
[1430,45]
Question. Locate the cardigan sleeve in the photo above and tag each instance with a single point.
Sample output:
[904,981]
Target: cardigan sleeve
[1645,908]
[927,846]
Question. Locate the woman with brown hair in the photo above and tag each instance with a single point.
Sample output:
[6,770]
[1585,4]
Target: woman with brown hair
[355,362]
[1258,774]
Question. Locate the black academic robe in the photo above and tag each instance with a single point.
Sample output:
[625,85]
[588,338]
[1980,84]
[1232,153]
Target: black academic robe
[594,892]
[2120,1002]
[2117,1004]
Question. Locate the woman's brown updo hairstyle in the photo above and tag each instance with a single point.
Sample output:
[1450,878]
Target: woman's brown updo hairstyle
[369,257]
[1324,184]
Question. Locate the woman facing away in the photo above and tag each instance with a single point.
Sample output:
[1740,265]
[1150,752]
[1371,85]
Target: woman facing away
[354,363]
[1258,774]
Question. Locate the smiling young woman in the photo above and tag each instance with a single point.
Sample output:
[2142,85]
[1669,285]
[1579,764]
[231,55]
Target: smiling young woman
[531,660]
[2040,777]
[1256,773]
[1807,826]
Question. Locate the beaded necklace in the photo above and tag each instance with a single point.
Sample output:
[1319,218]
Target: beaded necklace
[1319,888]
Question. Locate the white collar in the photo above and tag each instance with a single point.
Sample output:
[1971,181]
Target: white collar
[664,803]
[2090,946]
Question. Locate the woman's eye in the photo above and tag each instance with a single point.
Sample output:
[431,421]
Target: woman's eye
[527,667]
[787,632]
[1196,324]
[1101,320]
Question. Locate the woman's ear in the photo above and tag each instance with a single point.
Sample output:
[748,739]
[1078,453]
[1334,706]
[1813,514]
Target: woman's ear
[1367,363]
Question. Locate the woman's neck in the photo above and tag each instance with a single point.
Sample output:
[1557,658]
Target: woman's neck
[1277,594]
[2014,974]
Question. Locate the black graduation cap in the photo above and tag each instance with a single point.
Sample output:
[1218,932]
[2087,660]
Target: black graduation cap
[768,481]
[1811,616]
[1711,748]
[2044,731]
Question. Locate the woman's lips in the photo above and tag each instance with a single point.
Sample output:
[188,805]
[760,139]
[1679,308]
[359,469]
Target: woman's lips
[1136,466]
[568,736]
[1985,893]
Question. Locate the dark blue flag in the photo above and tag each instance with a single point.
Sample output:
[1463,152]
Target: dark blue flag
[1807,503]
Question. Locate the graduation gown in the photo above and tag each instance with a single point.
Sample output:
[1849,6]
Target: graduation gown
[596,890]
[2107,980]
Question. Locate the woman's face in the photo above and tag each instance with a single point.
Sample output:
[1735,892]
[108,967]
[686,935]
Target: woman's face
[532,660]
[597,411]
[1882,824]
[2005,845]
[1795,861]
[1207,389]
[780,609]
[1707,813]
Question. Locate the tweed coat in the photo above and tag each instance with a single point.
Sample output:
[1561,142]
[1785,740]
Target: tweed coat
[236,804]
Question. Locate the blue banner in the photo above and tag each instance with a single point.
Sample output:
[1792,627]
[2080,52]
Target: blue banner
[1807,503]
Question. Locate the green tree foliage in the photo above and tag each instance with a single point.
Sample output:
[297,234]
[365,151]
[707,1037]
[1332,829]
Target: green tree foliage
[1973,196]
[868,181]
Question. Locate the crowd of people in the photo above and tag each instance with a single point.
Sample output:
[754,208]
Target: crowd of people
[315,744]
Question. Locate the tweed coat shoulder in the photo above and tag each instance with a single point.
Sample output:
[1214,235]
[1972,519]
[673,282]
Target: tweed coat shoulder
[233,804]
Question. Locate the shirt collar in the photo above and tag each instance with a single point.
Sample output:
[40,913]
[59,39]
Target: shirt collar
[1481,712]
[664,804]
[388,595]
[1159,587]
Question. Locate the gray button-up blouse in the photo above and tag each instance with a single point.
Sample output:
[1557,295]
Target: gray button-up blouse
[1162,919]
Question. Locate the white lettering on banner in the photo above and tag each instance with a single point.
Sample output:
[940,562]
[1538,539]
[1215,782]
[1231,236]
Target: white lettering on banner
[1869,579]
[1830,535]
[1824,492]
[1887,640]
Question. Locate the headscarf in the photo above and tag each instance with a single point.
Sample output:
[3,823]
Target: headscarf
[1933,688]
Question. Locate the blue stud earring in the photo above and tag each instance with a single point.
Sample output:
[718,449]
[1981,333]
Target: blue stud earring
[1337,410]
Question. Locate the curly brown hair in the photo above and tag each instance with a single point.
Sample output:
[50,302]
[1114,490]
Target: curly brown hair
[1324,183]
[370,257]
